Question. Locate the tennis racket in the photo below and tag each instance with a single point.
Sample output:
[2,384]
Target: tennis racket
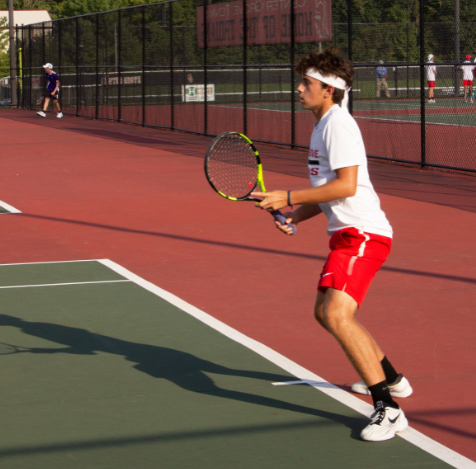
[233,169]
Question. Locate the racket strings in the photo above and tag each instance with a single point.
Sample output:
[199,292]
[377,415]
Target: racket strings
[232,167]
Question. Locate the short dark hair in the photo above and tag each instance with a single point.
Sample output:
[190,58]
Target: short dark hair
[328,63]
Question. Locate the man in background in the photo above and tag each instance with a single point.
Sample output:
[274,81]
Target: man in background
[382,80]
[52,91]
[467,78]
[431,78]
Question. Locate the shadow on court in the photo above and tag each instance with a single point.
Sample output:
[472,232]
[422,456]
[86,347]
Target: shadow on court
[180,368]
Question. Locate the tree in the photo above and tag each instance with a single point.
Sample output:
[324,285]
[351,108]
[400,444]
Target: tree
[4,47]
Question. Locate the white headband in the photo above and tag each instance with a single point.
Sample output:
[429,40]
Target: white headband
[336,82]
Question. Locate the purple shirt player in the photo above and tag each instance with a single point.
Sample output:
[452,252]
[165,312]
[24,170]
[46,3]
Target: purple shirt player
[52,91]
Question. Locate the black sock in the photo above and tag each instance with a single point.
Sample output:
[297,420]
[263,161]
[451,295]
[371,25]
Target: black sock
[380,392]
[390,374]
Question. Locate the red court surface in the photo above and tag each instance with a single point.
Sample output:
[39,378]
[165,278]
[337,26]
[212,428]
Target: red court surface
[91,189]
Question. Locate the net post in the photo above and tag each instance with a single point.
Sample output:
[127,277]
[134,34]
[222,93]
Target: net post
[422,84]
[171,36]
[119,62]
[205,66]
[245,61]
[143,66]
[349,47]
[293,111]
[97,68]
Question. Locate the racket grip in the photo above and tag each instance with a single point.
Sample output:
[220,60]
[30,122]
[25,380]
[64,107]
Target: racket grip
[282,219]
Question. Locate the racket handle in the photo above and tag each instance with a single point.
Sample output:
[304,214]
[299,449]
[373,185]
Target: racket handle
[282,219]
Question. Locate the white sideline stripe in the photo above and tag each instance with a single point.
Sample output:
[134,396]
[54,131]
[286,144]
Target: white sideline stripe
[47,262]
[414,122]
[62,284]
[9,207]
[301,381]
[412,436]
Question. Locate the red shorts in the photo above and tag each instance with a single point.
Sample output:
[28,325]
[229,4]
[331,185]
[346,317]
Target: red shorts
[353,262]
[431,84]
[467,82]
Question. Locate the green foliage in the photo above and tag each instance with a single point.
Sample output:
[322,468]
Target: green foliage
[83,7]
[4,46]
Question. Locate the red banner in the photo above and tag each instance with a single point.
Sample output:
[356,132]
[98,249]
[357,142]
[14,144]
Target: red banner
[269,22]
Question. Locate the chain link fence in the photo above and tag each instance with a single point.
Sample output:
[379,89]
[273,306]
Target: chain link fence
[211,66]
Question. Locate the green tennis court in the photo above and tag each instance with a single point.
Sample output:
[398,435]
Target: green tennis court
[101,370]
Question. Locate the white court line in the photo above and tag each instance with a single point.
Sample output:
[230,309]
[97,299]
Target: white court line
[62,284]
[9,208]
[411,435]
[413,122]
[47,262]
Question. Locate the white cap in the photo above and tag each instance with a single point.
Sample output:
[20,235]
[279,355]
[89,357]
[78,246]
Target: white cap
[430,57]
[380,61]
[48,65]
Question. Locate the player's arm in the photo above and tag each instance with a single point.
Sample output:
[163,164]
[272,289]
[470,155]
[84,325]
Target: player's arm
[345,185]
[56,88]
[302,213]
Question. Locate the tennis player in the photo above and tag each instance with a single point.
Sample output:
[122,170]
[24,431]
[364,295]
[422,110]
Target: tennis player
[361,235]
[431,78]
[467,78]
[52,91]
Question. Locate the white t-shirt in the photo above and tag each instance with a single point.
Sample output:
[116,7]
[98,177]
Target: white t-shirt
[467,70]
[430,72]
[336,142]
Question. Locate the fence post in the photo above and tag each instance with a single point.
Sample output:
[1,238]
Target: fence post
[293,84]
[17,68]
[171,35]
[30,65]
[97,68]
[245,62]
[119,62]
[143,65]
[422,83]
[205,66]
[349,46]
[77,67]
[59,53]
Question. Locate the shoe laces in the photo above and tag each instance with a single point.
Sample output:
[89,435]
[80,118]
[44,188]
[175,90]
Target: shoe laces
[379,414]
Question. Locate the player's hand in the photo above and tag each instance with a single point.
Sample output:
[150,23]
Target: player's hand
[272,200]
[286,229]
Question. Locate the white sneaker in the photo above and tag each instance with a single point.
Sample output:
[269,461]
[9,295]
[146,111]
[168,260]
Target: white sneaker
[59,115]
[41,113]
[399,388]
[385,422]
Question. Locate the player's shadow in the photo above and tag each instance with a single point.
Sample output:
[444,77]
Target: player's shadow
[181,368]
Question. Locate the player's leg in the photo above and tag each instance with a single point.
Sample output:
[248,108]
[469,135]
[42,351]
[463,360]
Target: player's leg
[471,91]
[58,107]
[338,311]
[338,315]
[378,87]
[387,91]
[319,315]
[42,113]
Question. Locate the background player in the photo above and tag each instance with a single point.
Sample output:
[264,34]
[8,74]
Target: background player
[361,234]
[52,90]
[431,73]
[467,78]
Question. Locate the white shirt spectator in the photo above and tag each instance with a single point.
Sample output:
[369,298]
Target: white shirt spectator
[430,72]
